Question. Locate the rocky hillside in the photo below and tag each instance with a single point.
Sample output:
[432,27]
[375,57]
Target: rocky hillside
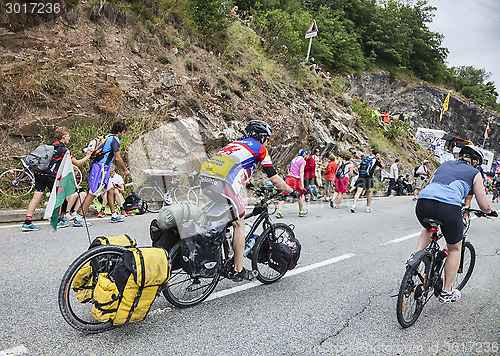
[98,64]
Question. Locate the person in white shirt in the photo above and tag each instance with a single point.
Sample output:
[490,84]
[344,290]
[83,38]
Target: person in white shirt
[115,187]
[394,174]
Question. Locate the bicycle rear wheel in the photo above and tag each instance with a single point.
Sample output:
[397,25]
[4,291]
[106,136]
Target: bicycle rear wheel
[16,183]
[411,297]
[261,253]
[76,290]
[154,199]
[469,260]
[181,289]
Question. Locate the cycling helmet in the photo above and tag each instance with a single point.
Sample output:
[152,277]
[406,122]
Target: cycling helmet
[472,152]
[302,152]
[258,129]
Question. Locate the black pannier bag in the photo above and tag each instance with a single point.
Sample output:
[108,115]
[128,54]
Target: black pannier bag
[165,239]
[201,251]
[285,254]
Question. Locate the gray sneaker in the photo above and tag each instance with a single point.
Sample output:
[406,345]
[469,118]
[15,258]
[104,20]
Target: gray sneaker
[117,218]
[448,297]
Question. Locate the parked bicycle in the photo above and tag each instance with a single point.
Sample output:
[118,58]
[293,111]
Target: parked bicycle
[183,290]
[423,277]
[18,182]
[165,190]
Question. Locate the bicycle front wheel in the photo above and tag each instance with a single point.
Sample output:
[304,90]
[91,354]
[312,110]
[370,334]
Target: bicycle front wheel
[411,297]
[154,199]
[464,273]
[77,287]
[181,289]
[16,182]
[184,193]
[261,252]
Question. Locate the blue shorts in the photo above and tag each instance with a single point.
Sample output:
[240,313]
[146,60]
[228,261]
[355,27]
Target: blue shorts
[98,177]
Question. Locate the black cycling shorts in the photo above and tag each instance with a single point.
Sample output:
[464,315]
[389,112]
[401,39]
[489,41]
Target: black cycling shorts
[43,181]
[364,182]
[450,216]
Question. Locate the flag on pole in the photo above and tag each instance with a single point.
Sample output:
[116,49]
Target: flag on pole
[445,105]
[64,186]
[487,131]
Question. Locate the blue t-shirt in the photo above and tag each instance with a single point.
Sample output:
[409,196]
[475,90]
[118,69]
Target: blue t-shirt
[451,183]
[111,146]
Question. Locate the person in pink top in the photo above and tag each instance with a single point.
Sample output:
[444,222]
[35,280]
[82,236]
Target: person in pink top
[295,179]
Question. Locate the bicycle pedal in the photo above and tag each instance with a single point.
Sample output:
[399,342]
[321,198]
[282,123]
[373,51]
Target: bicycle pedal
[255,273]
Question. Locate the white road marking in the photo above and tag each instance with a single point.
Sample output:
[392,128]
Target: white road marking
[293,272]
[403,238]
[41,222]
[18,350]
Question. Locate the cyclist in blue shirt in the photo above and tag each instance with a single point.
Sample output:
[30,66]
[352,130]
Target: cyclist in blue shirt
[442,200]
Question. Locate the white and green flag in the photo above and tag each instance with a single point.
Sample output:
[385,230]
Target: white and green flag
[64,186]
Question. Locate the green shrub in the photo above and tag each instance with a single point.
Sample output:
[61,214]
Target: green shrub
[164,59]
[223,82]
[225,95]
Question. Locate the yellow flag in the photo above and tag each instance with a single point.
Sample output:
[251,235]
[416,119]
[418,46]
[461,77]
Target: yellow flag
[445,105]
[487,130]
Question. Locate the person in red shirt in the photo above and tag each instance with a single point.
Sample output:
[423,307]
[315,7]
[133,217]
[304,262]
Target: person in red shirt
[330,170]
[309,174]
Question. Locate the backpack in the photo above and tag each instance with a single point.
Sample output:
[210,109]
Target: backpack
[97,145]
[285,254]
[364,166]
[201,251]
[126,295]
[341,171]
[415,171]
[133,202]
[83,281]
[40,158]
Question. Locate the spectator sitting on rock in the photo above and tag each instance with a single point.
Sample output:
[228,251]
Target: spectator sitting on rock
[234,10]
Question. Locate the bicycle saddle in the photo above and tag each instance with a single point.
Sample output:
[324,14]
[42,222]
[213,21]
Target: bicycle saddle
[428,223]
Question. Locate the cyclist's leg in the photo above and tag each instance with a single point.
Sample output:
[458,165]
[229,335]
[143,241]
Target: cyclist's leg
[451,265]
[238,243]
[424,239]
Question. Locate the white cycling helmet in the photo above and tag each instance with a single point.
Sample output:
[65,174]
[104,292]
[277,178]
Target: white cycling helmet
[473,153]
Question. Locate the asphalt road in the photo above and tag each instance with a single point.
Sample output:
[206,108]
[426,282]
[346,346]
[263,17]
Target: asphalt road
[338,300]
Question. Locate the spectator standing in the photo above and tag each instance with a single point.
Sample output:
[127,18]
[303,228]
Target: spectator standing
[234,11]
[295,179]
[366,181]
[330,170]
[309,173]
[112,195]
[421,177]
[394,173]
[344,174]
[318,167]
[100,172]
[46,179]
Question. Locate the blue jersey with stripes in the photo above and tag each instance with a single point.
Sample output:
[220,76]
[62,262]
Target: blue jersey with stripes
[451,183]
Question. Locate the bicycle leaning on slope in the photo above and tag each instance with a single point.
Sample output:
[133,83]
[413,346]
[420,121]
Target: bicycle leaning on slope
[18,182]
[423,277]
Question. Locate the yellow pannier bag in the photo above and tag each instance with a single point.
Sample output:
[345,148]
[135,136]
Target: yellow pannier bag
[106,299]
[142,271]
[119,240]
[82,284]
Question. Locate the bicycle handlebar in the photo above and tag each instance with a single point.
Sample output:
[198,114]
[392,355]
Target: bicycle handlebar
[480,213]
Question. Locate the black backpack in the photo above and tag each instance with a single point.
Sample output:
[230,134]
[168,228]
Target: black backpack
[341,171]
[415,171]
[133,202]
